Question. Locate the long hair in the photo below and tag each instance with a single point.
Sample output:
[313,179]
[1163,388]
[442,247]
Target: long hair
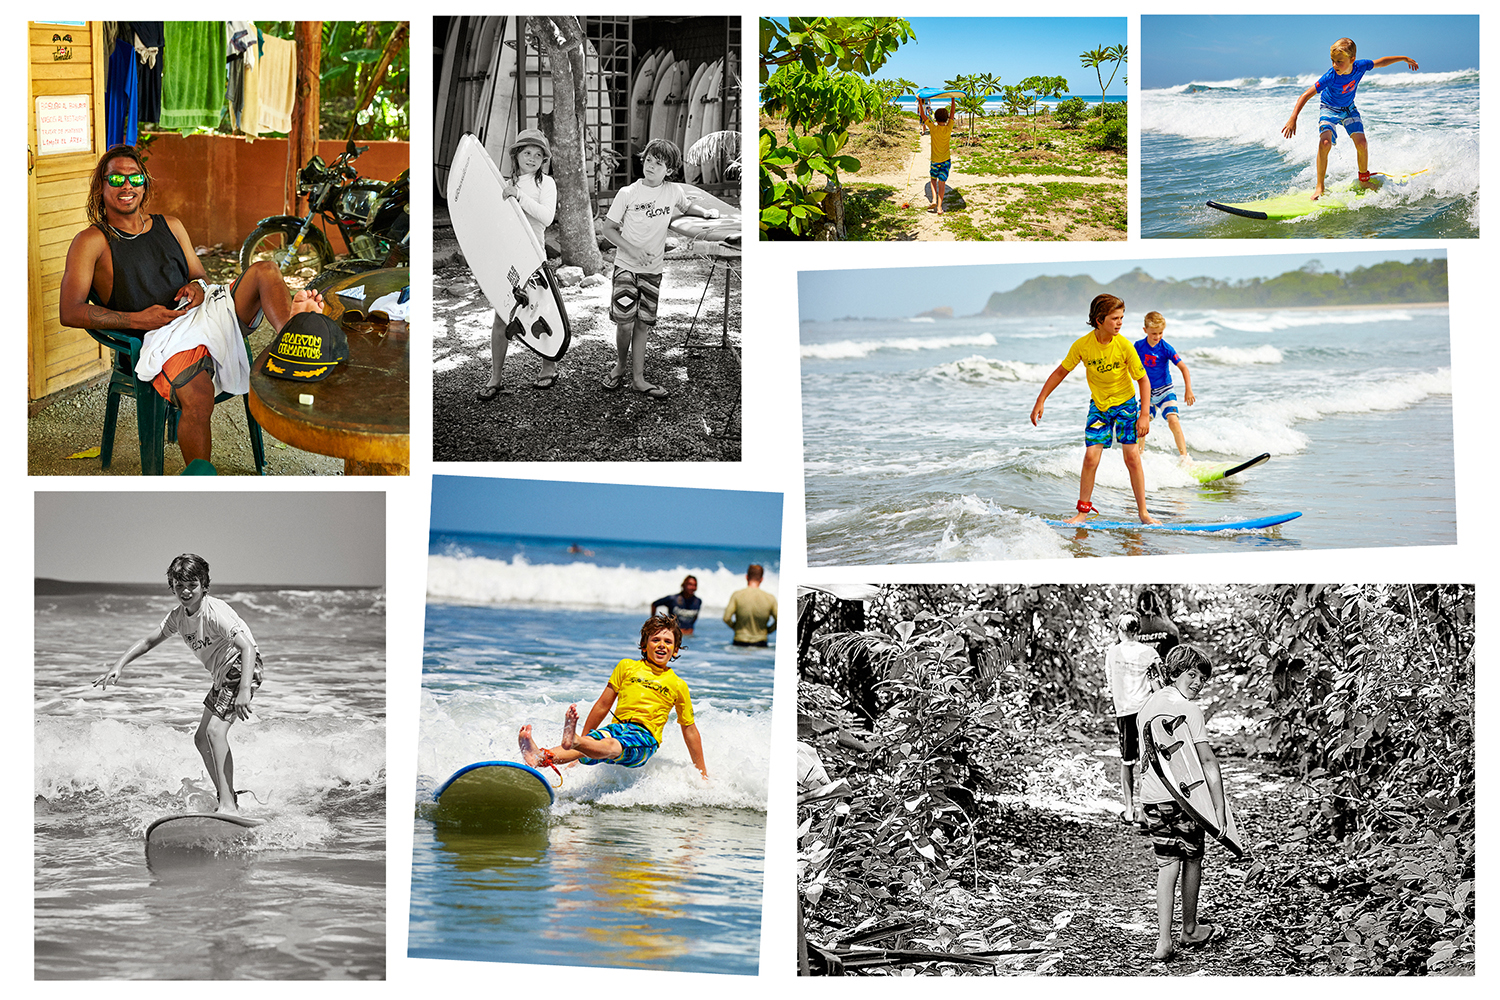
[96,184]
[1102,306]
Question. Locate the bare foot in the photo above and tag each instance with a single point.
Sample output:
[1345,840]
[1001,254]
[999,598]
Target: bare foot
[570,727]
[1163,951]
[307,301]
[530,752]
[1317,192]
[1146,518]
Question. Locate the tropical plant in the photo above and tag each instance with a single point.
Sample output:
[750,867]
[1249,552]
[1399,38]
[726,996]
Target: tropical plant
[1108,131]
[810,69]
[1071,112]
[889,90]
[1095,59]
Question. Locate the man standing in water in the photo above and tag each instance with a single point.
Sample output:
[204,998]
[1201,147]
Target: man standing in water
[751,612]
[684,606]
[145,272]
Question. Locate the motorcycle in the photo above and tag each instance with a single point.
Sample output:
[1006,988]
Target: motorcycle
[374,218]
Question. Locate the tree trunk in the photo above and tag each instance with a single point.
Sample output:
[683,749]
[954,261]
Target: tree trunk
[302,142]
[373,84]
[563,40]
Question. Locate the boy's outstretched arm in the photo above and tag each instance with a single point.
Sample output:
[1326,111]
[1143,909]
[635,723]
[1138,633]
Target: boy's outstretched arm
[601,708]
[694,743]
[137,649]
[1053,381]
[1214,780]
[1187,383]
[1290,128]
[1389,60]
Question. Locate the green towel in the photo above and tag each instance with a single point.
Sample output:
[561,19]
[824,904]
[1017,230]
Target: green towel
[193,75]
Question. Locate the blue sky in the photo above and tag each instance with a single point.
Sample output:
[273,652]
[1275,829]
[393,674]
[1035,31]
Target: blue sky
[1013,47]
[892,292]
[724,518]
[1206,48]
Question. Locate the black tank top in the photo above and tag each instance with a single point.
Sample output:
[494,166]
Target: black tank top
[148,269]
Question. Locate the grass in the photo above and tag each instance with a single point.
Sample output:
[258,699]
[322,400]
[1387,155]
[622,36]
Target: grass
[1050,210]
[1007,147]
[870,214]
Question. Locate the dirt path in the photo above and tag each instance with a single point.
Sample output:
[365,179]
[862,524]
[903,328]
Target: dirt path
[913,187]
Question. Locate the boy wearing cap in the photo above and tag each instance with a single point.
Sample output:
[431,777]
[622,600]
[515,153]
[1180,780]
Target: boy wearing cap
[536,192]
[637,226]
[1127,666]
[137,272]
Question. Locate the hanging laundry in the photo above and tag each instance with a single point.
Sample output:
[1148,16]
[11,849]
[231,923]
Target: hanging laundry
[149,40]
[121,85]
[277,79]
[193,82]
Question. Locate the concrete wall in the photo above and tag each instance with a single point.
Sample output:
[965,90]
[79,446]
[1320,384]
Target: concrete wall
[221,186]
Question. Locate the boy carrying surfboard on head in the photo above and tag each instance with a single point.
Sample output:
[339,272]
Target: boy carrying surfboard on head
[1176,837]
[1111,365]
[1336,107]
[223,644]
[1127,664]
[646,691]
[637,225]
[1158,357]
[941,129]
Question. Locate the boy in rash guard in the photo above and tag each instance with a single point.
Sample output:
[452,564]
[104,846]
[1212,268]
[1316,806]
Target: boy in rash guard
[1158,357]
[223,643]
[642,694]
[1336,107]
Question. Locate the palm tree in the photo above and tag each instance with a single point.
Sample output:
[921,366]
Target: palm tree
[1095,59]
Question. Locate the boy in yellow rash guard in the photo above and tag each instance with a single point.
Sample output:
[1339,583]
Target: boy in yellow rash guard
[645,692]
[1111,364]
[941,127]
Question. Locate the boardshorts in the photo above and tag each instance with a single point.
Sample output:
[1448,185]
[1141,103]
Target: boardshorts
[636,742]
[1130,739]
[939,171]
[1115,423]
[633,297]
[1347,117]
[178,370]
[220,700]
[1163,401]
[1175,836]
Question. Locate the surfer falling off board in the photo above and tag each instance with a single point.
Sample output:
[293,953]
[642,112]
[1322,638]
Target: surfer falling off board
[1336,107]
[644,692]
[223,643]
[1111,365]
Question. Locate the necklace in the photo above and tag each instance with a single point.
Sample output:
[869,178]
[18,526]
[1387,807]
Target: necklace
[124,236]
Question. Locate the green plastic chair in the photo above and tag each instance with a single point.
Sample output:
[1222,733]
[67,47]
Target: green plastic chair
[153,415]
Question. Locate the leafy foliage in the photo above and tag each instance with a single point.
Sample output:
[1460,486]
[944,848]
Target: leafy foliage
[847,44]
[811,70]
[351,52]
[1108,131]
[1362,694]
[1071,112]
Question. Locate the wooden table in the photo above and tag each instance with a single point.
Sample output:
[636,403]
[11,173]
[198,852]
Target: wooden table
[362,412]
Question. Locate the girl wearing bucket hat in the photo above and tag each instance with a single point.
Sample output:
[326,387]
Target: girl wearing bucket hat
[527,181]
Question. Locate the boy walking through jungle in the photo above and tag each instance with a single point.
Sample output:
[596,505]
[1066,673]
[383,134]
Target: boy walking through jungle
[1336,89]
[1111,365]
[637,225]
[223,644]
[1127,664]
[1158,357]
[1176,838]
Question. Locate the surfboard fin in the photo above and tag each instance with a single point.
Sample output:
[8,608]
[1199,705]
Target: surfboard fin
[1187,788]
[1172,724]
[514,329]
[540,328]
[1168,751]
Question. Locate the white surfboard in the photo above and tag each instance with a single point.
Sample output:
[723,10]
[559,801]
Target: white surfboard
[198,831]
[641,95]
[713,120]
[684,107]
[692,172]
[503,254]
[666,79]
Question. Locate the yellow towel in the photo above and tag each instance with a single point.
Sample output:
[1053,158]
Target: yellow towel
[277,75]
[250,116]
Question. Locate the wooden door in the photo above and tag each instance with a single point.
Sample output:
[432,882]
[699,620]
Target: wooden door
[64,60]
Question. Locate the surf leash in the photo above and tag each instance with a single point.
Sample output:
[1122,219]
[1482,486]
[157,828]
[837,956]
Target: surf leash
[547,760]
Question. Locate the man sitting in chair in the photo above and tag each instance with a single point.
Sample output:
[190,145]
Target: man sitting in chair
[144,270]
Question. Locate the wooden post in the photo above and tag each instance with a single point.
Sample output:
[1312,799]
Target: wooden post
[302,142]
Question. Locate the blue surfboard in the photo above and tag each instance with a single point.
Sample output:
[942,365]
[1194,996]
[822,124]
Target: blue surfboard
[493,792]
[1251,525]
